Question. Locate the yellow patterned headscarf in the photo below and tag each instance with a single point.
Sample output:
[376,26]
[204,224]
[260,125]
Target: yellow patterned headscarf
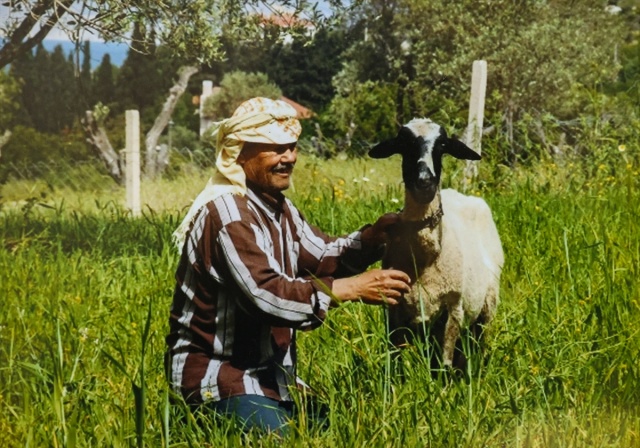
[259,120]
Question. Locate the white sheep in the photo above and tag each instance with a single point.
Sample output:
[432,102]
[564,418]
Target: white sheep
[447,242]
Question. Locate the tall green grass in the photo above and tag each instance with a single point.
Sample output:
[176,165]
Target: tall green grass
[86,291]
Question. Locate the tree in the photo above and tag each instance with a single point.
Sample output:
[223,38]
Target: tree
[85,82]
[103,82]
[190,28]
[363,114]
[155,160]
[49,89]
[543,57]
[305,67]
[235,88]
[139,79]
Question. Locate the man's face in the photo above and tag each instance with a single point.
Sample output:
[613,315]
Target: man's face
[268,165]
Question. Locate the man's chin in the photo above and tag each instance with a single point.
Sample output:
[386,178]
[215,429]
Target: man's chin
[279,186]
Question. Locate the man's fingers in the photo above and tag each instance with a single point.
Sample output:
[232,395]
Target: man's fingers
[399,276]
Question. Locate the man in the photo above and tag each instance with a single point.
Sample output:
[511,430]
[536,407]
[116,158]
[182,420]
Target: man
[252,271]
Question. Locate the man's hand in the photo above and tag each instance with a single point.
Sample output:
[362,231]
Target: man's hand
[374,287]
[377,233]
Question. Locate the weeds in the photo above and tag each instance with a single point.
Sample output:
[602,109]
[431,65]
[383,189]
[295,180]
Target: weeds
[86,293]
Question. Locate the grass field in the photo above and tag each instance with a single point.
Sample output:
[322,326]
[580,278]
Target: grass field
[86,290]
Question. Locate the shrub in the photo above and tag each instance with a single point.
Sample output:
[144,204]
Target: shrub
[235,88]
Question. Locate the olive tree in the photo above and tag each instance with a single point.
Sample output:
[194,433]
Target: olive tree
[190,28]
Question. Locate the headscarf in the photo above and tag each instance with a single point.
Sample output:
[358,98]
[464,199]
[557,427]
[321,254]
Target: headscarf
[258,120]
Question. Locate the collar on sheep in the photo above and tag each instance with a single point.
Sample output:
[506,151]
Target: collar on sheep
[430,222]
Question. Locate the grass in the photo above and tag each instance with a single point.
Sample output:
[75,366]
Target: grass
[86,291]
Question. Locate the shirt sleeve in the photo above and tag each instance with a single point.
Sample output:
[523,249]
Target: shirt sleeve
[284,300]
[323,256]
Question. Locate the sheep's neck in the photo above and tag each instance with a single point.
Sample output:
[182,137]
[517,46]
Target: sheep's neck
[415,211]
[425,241]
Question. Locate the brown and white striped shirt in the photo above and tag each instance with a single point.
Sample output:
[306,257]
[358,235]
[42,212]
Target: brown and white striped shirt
[252,271]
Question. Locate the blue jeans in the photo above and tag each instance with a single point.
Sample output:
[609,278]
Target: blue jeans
[265,414]
[255,411]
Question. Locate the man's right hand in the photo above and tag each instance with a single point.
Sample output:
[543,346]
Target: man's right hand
[374,287]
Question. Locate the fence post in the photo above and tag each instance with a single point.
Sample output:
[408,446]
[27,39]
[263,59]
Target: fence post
[133,161]
[207,91]
[473,137]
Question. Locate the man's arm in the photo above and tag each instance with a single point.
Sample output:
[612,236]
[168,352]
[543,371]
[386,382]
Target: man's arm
[288,300]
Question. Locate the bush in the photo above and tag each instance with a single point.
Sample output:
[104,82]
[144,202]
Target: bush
[28,147]
[235,88]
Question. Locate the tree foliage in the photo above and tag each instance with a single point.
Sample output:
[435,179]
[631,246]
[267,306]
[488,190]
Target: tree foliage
[191,29]
[361,115]
[49,89]
[305,67]
[540,55]
[235,88]
[543,57]
[103,86]
[140,79]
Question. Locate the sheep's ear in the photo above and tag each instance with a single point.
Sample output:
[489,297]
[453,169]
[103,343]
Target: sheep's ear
[384,149]
[459,150]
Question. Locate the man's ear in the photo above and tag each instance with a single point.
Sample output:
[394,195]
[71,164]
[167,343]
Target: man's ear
[459,150]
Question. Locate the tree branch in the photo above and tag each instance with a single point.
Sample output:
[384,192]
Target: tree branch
[99,141]
[16,45]
[163,118]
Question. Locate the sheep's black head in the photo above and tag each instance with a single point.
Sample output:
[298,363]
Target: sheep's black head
[421,142]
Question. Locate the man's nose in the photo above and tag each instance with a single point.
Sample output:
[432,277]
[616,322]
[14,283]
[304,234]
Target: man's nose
[289,156]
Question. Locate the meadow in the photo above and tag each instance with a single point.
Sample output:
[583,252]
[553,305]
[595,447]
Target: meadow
[86,291]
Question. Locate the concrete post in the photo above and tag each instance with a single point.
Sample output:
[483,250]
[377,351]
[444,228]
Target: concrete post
[207,91]
[133,161]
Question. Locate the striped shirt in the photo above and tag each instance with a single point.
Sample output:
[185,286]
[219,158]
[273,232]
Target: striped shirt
[252,271]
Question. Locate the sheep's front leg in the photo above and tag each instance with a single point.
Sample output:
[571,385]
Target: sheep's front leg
[452,332]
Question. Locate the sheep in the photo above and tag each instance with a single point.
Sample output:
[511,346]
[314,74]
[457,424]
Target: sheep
[446,242]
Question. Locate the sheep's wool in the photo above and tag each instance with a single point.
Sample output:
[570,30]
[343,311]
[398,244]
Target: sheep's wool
[258,120]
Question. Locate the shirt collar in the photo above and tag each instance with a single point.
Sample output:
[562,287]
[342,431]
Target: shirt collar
[273,201]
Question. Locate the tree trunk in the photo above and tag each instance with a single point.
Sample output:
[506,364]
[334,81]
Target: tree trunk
[152,166]
[99,141]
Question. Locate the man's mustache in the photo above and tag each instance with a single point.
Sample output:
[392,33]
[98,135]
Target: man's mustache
[283,166]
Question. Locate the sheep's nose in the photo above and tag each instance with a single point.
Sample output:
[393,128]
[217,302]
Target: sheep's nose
[425,176]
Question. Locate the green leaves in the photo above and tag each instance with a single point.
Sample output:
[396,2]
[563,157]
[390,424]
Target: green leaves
[236,87]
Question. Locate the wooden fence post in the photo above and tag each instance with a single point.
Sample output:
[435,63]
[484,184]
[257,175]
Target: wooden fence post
[133,161]
[473,137]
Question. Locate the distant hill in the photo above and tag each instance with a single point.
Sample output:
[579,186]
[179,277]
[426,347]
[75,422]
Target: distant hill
[117,51]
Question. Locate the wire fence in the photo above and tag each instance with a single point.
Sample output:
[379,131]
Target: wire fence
[52,181]
[82,184]
[92,172]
